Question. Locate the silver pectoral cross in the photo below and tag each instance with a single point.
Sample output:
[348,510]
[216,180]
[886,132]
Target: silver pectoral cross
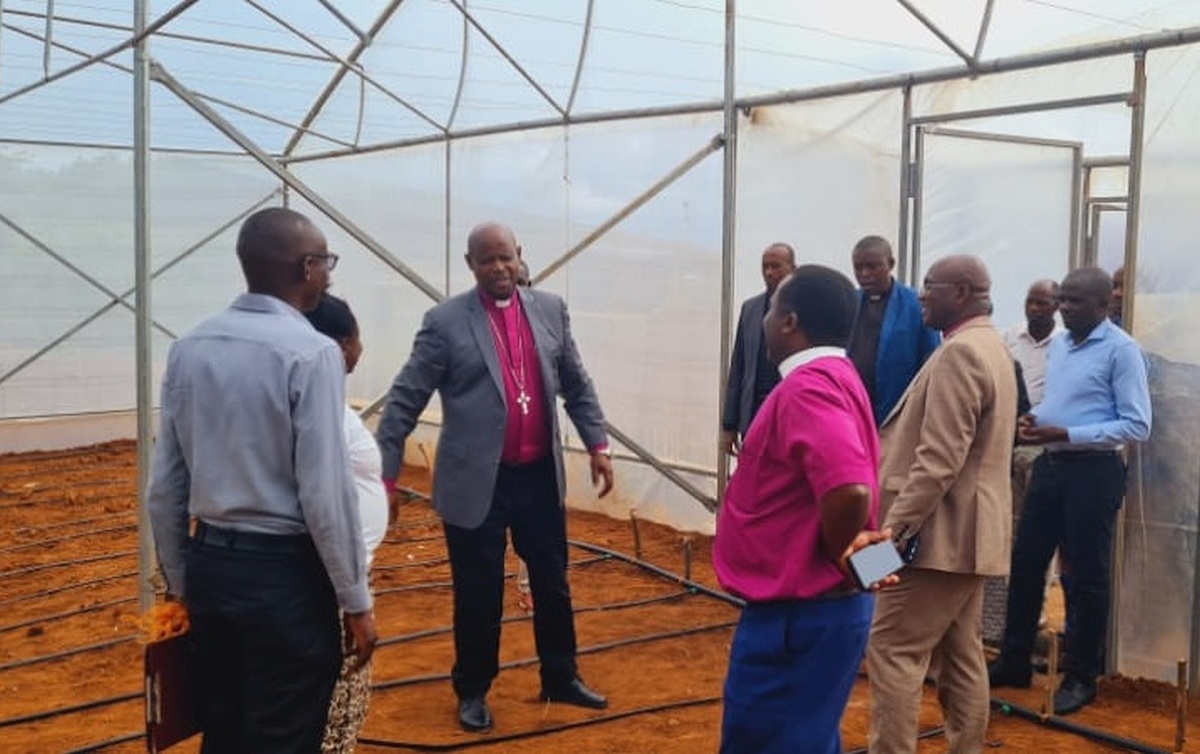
[523,399]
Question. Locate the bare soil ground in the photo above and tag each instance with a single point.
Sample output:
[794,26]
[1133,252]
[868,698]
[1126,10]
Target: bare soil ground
[68,596]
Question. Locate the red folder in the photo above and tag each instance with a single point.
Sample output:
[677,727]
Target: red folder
[170,713]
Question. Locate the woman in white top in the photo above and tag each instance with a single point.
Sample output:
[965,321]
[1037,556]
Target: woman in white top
[348,707]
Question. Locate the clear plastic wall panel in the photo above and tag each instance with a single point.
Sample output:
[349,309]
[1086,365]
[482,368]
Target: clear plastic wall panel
[797,45]
[516,179]
[93,370]
[418,55]
[1049,83]
[652,55]
[1111,181]
[1157,606]
[397,198]
[415,60]
[1021,27]
[645,492]
[197,204]
[1009,204]
[93,105]
[817,175]
[544,37]
[1110,239]
[645,313]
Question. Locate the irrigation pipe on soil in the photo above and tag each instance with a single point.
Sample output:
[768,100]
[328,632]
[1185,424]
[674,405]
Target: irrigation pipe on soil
[489,740]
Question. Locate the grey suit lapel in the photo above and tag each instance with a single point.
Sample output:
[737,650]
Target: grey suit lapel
[477,320]
[541,338]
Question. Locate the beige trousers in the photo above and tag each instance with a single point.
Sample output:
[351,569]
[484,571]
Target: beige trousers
[931,618]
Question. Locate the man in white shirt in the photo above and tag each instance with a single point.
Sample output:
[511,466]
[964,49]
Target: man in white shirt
[1030,343]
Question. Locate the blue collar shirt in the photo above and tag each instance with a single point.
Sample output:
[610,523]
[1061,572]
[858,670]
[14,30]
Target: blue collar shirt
[1097,389]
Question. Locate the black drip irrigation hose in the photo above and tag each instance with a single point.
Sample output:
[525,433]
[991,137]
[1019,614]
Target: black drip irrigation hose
[441,630]
[67,588]
[1087,731]
[410,564]
[67,653]
[77,522]
[64,563]
[557,728]
[443,584]
[67,614]
[34,717]
[414,540]
[927,733]
[593,649]
[66,537]
[114,741]
[696,586]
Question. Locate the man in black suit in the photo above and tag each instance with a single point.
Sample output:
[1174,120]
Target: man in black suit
[751,376]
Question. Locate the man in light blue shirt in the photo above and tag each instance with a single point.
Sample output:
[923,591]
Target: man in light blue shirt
[251,457]
[1096,401]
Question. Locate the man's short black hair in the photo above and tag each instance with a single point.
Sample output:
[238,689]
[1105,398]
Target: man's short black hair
[333,318]
[824,302]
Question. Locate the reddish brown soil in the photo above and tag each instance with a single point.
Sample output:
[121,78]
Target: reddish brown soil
[78,505]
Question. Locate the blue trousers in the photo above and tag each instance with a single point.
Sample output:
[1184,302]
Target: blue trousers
[791,669]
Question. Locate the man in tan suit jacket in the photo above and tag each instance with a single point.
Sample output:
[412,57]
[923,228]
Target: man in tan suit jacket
[946,449]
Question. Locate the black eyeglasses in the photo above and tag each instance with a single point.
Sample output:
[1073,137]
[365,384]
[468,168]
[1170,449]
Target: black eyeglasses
[329,260]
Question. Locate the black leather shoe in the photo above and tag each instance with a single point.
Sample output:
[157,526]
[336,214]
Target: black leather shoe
[474,715]
[1073,695]
[574,693]
[1002,673]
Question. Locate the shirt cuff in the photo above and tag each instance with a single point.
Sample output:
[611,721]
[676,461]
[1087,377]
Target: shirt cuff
[389,485]
[601,448]
[355,599]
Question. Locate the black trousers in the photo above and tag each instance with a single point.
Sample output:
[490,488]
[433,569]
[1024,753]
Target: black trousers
[266,645]
[1071,504]
[526,502]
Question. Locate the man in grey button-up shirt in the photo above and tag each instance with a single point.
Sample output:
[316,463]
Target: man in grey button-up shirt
[251,447]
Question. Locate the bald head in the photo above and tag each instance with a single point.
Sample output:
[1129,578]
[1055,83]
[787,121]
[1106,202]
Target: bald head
[284,255]
[489,232]
[956,288]
[495,259]
[1083,300]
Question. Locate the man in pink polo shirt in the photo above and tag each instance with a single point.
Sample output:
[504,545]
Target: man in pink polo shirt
[805,489]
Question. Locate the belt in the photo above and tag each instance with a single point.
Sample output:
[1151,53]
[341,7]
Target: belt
[250,541]
[1062,455]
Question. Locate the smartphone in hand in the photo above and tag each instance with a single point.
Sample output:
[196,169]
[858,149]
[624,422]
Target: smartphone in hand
[874,563]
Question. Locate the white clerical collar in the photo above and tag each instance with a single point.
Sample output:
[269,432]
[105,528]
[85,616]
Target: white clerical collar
[800,358]
[504,303]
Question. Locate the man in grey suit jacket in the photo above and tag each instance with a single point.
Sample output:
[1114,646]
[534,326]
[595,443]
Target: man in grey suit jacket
[751,375]
[498,355]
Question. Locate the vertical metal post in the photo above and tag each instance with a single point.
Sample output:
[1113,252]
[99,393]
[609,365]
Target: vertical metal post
[48,38]
[918,189]
[905,186]
[141,278]
[728,235]
[446,212]
[1137,127]
[1076,205]
[1092,256]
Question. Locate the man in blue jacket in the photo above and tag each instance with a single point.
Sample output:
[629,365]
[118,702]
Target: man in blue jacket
[889,342]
